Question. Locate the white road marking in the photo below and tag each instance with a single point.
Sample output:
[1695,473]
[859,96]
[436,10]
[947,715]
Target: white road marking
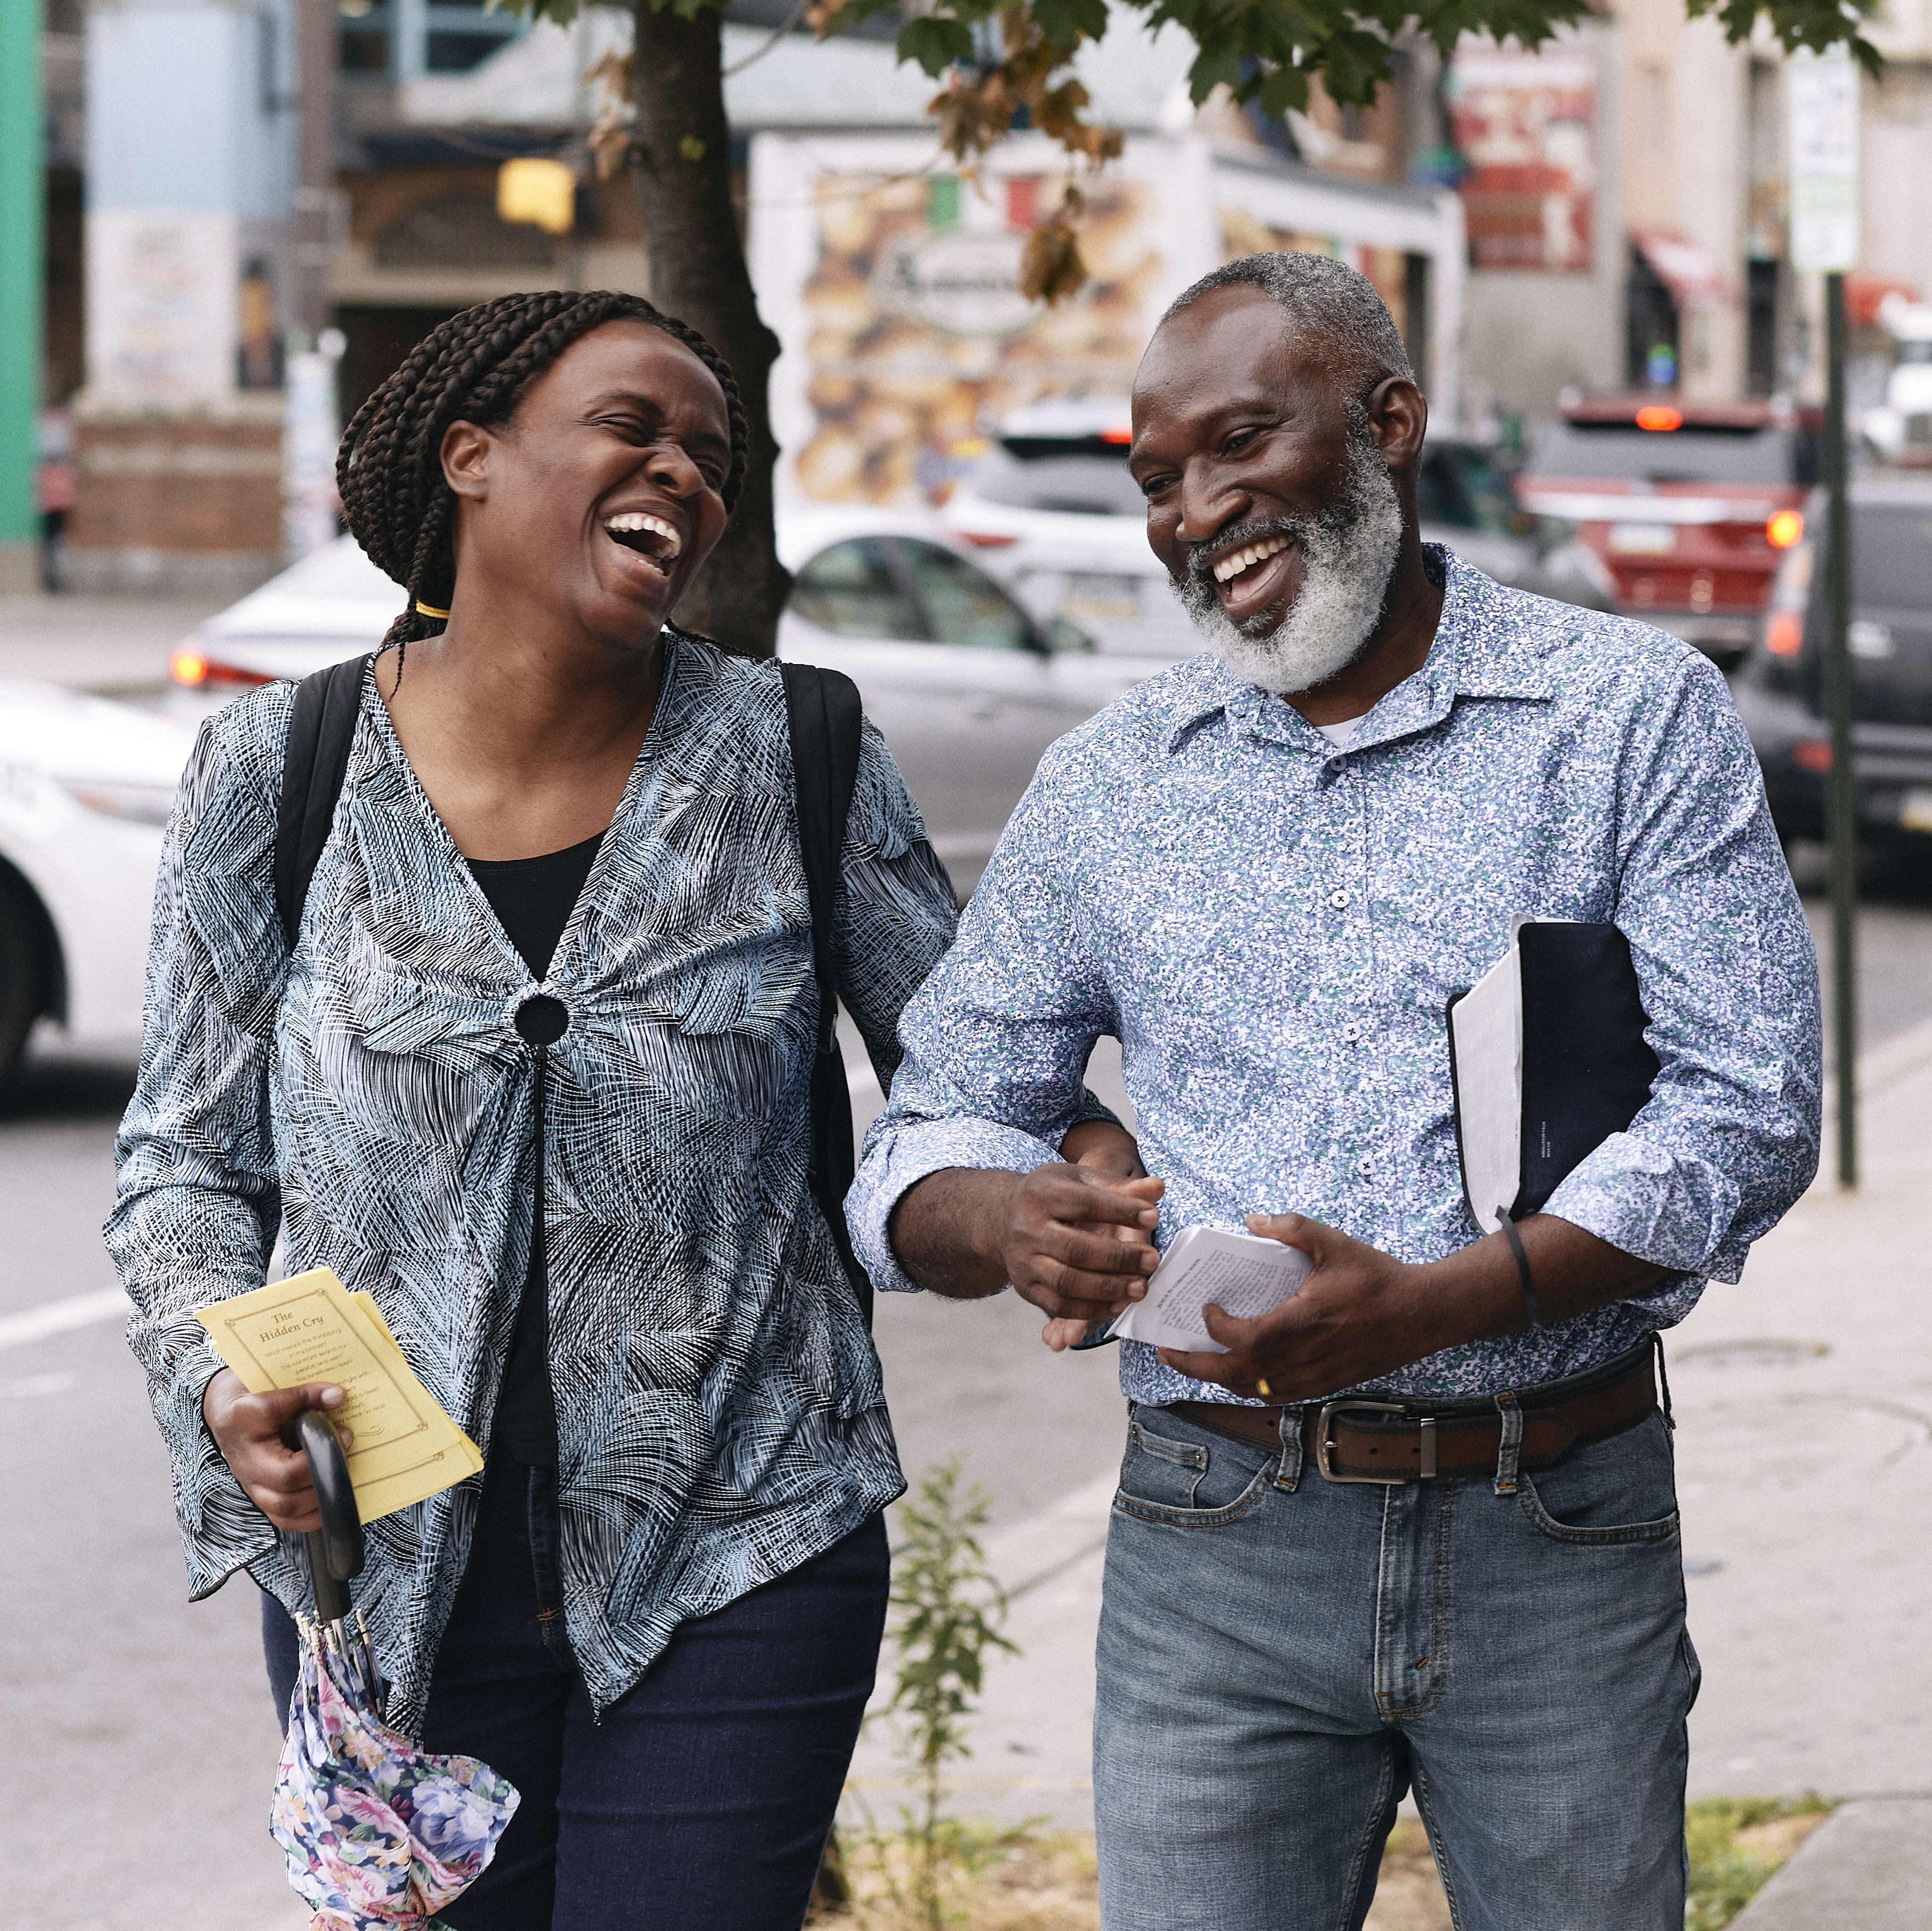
[57,1316]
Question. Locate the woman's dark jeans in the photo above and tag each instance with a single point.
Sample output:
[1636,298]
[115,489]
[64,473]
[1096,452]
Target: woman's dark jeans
[704,1797]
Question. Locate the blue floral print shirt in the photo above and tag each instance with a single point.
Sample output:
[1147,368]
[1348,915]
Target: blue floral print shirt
[720,1418]
[1272,925]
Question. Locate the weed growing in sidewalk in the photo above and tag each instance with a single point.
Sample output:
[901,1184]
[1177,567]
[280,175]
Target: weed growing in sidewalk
[948,1608]
[1735,1844]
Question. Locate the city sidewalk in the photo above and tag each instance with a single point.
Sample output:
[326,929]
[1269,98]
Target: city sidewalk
[1804,1404]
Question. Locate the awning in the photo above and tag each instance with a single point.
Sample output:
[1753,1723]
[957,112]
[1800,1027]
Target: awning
[1687,269]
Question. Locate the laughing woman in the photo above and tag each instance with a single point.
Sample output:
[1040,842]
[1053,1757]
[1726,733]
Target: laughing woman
[658,1612]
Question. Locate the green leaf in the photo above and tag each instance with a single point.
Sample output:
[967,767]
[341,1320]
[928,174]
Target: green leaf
[936,43]
[1064,22]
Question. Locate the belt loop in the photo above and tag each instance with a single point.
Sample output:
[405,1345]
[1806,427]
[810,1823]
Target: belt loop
[1290,1428]
[1512,1443]
[1663,1383]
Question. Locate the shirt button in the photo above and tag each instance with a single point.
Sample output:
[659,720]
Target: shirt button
[1368,1164]
[542,1020]
[1351,1032]
[1338,899]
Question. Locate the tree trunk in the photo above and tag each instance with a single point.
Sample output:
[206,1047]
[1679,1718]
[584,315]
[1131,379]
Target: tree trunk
[698,274]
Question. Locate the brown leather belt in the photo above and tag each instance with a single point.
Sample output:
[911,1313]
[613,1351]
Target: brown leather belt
[1391,1442]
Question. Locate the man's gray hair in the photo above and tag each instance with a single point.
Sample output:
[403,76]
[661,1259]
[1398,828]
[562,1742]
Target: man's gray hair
[1337,309]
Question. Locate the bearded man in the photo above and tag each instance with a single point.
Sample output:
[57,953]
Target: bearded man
[1417,1528]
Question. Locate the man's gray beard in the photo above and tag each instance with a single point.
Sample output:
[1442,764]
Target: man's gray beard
[1348,553]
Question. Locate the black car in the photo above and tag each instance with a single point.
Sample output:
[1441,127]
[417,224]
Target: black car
[1780,690]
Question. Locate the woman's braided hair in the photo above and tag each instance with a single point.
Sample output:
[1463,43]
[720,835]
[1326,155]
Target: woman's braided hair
[473,368]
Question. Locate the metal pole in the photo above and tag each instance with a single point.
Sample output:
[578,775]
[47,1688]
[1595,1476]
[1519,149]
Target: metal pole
[1842,807]
[316,172]
[22,213]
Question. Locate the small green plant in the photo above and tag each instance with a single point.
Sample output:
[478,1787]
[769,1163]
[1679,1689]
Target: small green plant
[948,1610]
[1734,1854]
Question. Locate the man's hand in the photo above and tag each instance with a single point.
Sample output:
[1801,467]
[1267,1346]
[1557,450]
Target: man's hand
[1363,1314]
[248,1429]
[1072,1241]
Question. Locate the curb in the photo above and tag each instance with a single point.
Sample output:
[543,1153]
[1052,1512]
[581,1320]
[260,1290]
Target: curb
[1867,1867]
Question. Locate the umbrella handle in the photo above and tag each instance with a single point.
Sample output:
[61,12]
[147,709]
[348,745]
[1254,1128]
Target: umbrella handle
[335,1549]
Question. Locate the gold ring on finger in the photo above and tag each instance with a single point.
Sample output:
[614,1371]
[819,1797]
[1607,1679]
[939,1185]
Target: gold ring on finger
[1266,1392]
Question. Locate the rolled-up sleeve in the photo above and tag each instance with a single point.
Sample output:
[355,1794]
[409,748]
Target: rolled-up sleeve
[197,1205]
[1730,979]
[995,1044]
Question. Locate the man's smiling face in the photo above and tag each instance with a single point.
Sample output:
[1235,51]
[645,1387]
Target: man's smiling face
[1268,499]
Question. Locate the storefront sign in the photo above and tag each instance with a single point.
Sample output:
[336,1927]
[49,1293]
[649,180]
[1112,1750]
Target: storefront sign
[1526,125]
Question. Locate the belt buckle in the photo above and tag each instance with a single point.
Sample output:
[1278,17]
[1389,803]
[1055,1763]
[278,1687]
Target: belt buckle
[1323,1444]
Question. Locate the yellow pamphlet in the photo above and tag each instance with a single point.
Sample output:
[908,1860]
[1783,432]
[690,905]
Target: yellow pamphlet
[310,1328]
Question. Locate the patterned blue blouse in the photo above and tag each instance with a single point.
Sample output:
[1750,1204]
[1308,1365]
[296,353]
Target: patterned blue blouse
[720,1418]
[1272,926]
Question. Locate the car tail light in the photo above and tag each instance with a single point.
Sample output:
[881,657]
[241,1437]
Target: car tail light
[1812,754]
[195,667]
[1783,529]
[1660,416]
[988,539]
[1784,634]
[1119,438]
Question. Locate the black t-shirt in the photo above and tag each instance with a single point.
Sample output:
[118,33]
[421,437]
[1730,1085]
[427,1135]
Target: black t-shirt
[532,898]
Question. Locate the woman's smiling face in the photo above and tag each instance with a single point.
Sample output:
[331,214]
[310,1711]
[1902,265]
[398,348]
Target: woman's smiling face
[603,494]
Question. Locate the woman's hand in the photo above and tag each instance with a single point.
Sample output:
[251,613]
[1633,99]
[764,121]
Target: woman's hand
[248,1429]
[1104,1148]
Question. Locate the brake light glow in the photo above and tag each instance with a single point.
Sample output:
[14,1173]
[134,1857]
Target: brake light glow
[1784,529]
[1784,635]
[190,666]
[988,539]
[1119,438]
[1658,415]
[1812,754]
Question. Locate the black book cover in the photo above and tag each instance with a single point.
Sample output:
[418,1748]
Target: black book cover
[1587,1068]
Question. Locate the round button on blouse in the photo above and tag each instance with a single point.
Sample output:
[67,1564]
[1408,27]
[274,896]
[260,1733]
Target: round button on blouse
[542,1020]
[1338,899]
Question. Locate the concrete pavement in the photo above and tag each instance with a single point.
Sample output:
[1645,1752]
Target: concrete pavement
[1867,1867]
[1803,1403]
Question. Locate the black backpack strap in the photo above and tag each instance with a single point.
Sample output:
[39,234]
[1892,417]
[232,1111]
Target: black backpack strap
[822,712]
[322,728]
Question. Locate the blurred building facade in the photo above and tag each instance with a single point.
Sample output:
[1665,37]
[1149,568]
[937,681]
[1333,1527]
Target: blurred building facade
[1678,142]
[1608,212]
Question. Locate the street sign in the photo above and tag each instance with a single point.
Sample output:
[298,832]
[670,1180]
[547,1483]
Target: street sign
[1824,162]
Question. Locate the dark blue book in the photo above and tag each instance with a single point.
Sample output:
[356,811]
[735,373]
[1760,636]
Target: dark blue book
[1548,1057]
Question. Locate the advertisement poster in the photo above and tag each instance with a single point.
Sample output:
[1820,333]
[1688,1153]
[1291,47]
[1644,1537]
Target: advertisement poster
[1525,125]
[921,341]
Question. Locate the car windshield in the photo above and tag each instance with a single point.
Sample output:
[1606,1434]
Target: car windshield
[966,606]
[1892,555]
[1077,475]
[852,590]
[1695,454]
[1460,488]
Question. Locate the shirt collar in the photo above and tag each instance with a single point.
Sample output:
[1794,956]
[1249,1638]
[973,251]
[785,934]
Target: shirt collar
[1487,645]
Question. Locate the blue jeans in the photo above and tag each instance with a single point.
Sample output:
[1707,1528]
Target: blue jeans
[1281,1657]
[704,1797]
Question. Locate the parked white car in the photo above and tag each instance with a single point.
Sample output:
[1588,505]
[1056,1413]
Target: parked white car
[968,688]
[86,788]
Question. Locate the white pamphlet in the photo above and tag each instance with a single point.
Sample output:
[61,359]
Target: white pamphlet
[1242,1274]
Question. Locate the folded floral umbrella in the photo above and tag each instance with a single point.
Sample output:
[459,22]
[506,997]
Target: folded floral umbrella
[378,1833]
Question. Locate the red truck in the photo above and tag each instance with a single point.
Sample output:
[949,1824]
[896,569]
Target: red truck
[1690,505]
